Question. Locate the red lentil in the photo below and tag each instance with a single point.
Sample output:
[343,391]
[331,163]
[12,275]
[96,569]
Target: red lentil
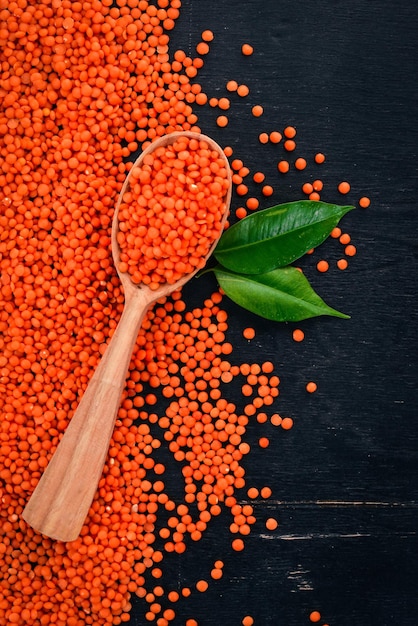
[289,132]
[283,166]
[344,187]
[315,616]
[364,202]
[247,49]
[207,35]
[350,250]
[322,266]
[287,423]
[298,335]
[259,177]
[267,190]
[271,523]
[243,90]
[257,110]
[222,121]
[232,85]
[289,145]
[345,238]
[249,333]
[275,136]
[300,164]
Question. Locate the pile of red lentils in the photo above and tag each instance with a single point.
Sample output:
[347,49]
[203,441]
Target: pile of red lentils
[83,86]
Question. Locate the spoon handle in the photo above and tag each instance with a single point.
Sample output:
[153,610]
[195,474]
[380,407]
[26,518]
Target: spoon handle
[60,502]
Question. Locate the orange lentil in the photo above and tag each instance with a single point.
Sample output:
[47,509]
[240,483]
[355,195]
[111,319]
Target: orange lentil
[322,266]
[247,620]
[287,423]
[222,121]
[314,196]
[290,132]
[236,179]
[238,545]
[271,523]
[252,203]
[241,212]
[317,185]
[275,136]
[283,166]
[259,177]
[364,202]
[289,145]
[267,190]
[298,335]
[345,238]
[216,573]
[342,264]
[311,387]
[202,585]
[224,103]
[249,333]
[336,232]
[242,90]
[344,187]
[262,418]
[276,420]
[257,110]
[265,492]
[319,157]
[300,164]
[350,250]
[207,35]
[264,442]
[263,137]
[247,49]
[202,48]
[307,188]
[242,189]
[315,616]
[232,85]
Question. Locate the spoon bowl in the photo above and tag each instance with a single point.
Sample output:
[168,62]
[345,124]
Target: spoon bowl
[61,500]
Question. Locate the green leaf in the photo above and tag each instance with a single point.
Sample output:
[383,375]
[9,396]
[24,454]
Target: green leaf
[277,236]
[282,295]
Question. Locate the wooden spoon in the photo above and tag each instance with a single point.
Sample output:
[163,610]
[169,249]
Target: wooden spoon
[60,503]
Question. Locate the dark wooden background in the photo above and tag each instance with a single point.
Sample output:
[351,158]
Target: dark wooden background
[344,479]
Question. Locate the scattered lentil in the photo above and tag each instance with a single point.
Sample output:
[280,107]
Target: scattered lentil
[271,523]
[315,616]
[344,187]
[298,335]
[247,49]
[364,202]
[257,110]
[322,266]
